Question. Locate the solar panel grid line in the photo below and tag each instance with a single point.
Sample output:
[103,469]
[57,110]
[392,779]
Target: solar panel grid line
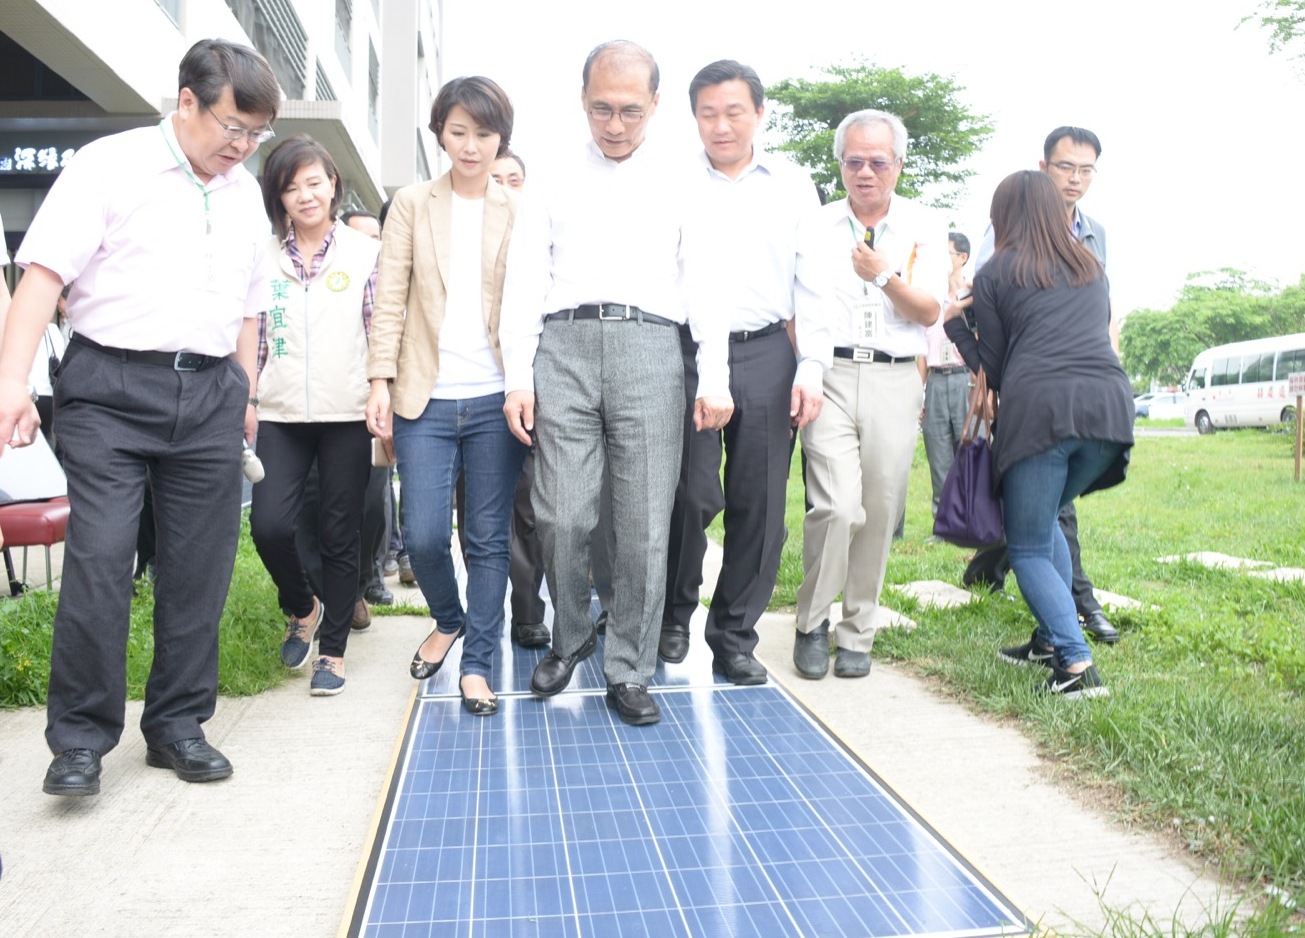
[546,720]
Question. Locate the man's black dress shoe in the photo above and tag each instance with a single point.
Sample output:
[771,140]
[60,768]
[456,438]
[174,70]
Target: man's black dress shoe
[194,760]
[1099,627]
[740,668]
[633,704]
[378,595]
[73,772]
[600,626]
[553,672]
[811,652]
[530,634]
[674,643]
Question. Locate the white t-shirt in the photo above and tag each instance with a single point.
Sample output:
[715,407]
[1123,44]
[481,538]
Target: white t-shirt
[467,366]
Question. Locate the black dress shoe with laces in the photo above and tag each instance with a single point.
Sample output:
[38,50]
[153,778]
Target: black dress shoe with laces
[73,772]
[530,634]
[1099,627]
[673,646]
[553,672]
[633,704]
[194,760]
[740,668]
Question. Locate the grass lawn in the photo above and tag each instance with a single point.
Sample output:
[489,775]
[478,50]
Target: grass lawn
[1203,736]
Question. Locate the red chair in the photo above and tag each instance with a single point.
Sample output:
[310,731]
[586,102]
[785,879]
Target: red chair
[32,524]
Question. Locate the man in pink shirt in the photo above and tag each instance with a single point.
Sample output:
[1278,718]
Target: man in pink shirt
[159,228]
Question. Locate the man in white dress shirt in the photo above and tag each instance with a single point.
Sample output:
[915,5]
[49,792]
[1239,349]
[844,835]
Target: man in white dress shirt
[591,354]
[740,246]
[872,274]
[160,228]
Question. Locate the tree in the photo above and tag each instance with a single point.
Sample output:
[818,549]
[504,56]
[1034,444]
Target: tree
[1214,308]
[1285,21]
[944,132]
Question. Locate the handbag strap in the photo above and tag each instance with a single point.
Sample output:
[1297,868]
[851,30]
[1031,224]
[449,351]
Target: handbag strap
[982,411]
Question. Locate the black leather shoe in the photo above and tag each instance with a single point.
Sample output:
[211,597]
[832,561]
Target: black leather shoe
[73,772]
[811,652]
[600,626]
[530,634]
[673,646]
[1099,627]
[194,760]
[849,663]
[378,595]
[633,704]
[740,668]
[420,668]
[553,672]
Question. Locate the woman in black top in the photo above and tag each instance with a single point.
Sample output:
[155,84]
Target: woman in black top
[1042,308]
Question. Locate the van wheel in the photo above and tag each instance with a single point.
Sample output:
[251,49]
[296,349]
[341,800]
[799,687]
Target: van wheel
[1203,423]
[1288,416]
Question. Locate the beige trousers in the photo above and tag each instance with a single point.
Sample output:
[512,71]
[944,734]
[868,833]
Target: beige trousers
[858,462]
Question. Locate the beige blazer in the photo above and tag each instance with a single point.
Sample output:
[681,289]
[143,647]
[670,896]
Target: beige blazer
[414,262]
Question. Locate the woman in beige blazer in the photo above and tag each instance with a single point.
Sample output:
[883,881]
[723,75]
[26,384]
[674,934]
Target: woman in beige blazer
[437,378]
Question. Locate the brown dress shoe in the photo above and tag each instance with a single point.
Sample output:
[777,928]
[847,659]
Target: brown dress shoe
[362,617]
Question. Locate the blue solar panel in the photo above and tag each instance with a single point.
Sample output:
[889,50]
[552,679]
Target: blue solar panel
[735,815]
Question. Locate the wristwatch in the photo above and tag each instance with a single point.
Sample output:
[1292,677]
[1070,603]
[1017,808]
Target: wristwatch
[881,281]
[254,402]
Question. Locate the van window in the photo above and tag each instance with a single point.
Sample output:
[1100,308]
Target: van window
[1225,371]
[1290,363]
[1257,368]
[1196,380]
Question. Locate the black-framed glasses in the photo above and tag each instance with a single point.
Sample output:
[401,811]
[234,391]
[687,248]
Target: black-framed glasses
[1087,171]
[855,164]
[603,113]
[235,131]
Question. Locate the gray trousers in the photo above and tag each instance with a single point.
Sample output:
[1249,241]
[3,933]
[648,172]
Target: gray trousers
[119,422]
[609,401]
[946,401]
[757,455]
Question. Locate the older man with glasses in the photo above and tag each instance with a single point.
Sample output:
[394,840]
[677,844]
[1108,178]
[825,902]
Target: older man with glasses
[871,275]
[160,229]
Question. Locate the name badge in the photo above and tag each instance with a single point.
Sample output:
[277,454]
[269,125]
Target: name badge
[950,356]
[869,317]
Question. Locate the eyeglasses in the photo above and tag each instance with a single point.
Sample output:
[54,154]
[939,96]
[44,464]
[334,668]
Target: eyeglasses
[855,165]
[235,132]
[603,113]
[1070,169]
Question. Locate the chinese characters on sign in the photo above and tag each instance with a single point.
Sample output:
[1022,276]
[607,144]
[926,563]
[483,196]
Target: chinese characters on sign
[35,160]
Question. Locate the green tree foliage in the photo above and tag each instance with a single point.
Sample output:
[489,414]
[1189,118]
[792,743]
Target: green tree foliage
[944,132]
[1285,21]
[1215,307]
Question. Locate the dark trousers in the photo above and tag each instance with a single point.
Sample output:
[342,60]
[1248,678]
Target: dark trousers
[990,565]
[374,531]
[526,563]
[757,455]
[119,423]
[343,454]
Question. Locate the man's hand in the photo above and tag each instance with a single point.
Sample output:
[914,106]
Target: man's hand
[19,421]
[804,406]
[251,424]
[956,308]
[519,409]
[867,262]
[378,411]
[712,413]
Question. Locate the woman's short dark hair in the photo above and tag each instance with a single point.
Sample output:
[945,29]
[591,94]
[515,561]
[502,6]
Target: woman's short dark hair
[1029,223]
[480,97]
[291,155]
[214,64]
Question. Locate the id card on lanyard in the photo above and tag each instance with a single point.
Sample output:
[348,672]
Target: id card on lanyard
[868,308]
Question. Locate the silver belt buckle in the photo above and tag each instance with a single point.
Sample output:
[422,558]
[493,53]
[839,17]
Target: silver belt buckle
[187,361]
[602,312]
[860,354]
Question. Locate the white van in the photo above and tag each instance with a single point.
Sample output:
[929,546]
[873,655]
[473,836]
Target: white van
[1244,384]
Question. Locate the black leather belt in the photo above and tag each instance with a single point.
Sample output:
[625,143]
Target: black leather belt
[858,354]
[610,312]
[949,370]
[756,333]
[177,361]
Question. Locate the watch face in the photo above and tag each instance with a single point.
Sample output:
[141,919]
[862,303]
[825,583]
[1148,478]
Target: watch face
[882,279]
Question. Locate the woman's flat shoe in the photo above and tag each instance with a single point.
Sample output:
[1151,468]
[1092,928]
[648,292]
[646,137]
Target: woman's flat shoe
[420,668]
[478,706]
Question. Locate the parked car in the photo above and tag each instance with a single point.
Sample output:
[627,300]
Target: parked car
[1162,406]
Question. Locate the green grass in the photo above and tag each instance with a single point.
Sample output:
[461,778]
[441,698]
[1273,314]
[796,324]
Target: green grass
[248,640]
[1204,734]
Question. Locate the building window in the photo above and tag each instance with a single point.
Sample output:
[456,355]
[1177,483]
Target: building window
[373,90]
[324,90]
[172,8]
[276,32]
[24,77]
[343,33]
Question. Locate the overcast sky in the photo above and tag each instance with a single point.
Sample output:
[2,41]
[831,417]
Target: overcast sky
[1200,127]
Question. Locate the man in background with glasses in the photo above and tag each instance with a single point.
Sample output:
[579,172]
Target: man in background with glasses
[1069,157]
[871,275]
[591,354]
[159,228]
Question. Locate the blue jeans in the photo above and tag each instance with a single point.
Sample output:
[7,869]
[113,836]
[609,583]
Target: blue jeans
[448,437]
[1033,492]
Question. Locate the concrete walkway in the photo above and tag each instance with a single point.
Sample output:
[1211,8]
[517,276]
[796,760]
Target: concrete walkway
[275,849]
